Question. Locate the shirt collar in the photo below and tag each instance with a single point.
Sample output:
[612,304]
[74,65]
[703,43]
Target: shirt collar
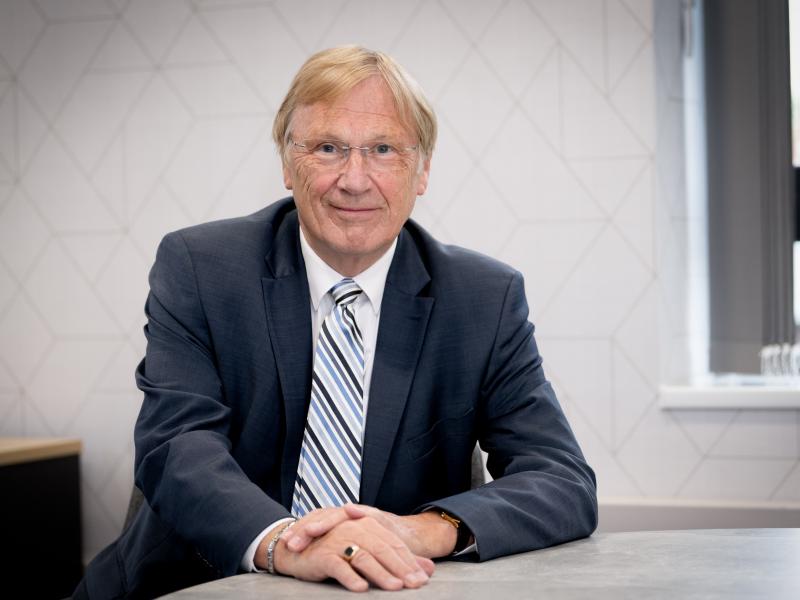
[321,277]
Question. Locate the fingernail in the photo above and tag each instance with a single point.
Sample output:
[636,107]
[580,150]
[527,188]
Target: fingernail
[416,577]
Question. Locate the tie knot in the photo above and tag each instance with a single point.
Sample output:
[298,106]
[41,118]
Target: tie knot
[345,292]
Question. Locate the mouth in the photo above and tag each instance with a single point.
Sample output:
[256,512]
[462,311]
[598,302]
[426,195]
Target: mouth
[354,211]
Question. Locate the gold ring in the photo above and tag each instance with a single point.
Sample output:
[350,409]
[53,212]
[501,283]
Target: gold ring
[350,552]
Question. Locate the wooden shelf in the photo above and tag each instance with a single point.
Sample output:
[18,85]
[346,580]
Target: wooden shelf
[17,450]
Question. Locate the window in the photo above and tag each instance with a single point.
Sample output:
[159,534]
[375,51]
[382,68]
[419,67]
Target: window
[750,180]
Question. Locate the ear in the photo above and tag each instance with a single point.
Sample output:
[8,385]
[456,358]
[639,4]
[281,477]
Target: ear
[422,178]
[287,176]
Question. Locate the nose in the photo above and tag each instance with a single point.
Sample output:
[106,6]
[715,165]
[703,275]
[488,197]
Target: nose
[354,176]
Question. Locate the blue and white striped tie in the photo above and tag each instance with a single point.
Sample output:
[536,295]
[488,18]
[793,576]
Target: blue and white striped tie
[329,471]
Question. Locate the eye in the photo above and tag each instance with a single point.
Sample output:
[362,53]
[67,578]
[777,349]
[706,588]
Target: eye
[327,148]
[383,149]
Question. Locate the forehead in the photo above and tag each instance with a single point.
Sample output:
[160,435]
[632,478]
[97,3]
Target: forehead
[367,109]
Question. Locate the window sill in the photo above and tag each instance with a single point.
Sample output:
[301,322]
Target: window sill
[733,392]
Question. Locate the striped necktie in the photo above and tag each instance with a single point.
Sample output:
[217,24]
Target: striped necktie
[329,471]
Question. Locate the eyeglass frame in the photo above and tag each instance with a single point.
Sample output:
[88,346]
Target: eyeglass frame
[346,148]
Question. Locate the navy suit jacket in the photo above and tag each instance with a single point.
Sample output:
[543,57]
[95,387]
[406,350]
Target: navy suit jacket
[226,382]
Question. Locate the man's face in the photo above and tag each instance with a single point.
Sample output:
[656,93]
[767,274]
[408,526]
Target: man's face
[351,212]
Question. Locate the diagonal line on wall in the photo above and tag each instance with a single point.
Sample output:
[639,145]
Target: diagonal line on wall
[13,168]
[477,157]
[611,105]
[722,433]
[71,92]
[144,253]
[39,37]
[91,285]
[785,478]
[116,135]
[95,493]
[588,423]
[121,457]
[404,27]
[230,56]
[14,405]
[703,455]
[615,393]
[266,128]
[645,26]
[12,89]
[648,165]
[577,408]
[52,130]
[627,356]
[490,143]
[545,139]
[158,61]
[30,405]
[682,485]
[22,383]
[647,267]
[623,441]
[644,45]
[571,273]
[472,45]
[123,23]
[489,22]
[619,346]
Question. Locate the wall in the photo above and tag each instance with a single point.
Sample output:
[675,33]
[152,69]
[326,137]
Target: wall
[120,121]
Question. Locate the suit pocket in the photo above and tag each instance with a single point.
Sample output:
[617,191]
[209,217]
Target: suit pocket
[420,446]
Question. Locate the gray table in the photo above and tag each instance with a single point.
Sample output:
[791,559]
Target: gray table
[708,563]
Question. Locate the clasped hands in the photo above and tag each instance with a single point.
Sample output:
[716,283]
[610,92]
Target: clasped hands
[392,552]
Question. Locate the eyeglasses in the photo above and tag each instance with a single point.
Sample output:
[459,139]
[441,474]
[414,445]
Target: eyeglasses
[381,156]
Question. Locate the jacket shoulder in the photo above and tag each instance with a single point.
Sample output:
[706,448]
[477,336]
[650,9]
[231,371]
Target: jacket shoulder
[258,229]
[451,266]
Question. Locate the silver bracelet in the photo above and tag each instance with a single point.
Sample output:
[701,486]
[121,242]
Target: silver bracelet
[271,547]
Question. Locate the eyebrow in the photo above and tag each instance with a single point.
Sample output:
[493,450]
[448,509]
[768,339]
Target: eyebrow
[327,135]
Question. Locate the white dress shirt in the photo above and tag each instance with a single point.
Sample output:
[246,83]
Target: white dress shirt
[321,278]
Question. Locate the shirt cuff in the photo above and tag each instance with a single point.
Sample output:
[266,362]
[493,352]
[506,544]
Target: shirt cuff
[248,564]
[472,548]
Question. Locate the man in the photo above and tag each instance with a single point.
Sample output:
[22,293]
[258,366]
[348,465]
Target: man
[325,360]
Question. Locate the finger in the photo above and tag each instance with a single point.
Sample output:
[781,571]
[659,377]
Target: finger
[355,511]
[332,518]
[426,564]
[395,557]
[366,564]
[312,526]
[344,573]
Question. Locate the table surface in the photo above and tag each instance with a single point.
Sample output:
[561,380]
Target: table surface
[702,563]
[16,450]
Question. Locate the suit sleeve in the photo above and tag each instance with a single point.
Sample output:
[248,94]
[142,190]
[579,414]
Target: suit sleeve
[543,492]
[183,459]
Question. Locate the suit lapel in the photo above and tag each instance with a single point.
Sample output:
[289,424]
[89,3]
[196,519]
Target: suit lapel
[403,323]
[286,300]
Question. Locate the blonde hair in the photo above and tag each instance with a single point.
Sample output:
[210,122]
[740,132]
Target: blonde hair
[329,74]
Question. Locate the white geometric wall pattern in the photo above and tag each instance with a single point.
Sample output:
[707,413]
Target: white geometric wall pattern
[121,120]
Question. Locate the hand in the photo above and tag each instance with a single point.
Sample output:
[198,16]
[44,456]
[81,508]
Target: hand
[383,558]
[426,534]
[327,517]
